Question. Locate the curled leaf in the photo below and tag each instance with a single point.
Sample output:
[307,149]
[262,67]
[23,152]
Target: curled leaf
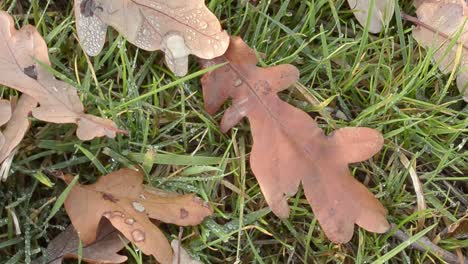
[102,250]
[290,148]
[178,27]
[124,201]
[17,126]
[442,22]
[22,53]
[5,115]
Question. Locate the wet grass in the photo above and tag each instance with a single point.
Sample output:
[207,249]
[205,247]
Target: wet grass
[383,81]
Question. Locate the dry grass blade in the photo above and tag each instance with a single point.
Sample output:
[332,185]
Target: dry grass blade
[20,53]
[418,188]
[121,198]
[290,148]
[178,28]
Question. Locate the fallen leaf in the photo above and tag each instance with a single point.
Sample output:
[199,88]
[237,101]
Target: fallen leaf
[20,53]
[381,14]
[5,115]
[17,126]
[457,230]
[289,147]
[14,132]
[440,21]
[180,254]
[177,27]
[121,198]
[103,250]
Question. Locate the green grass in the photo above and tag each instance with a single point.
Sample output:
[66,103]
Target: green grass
[381,81]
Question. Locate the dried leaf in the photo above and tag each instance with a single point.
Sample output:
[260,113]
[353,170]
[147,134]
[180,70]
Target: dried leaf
[381,14]
[180,254]
[178,27]
[20,52]
[440,22]
[121,198]
[289,147]
[5,115]
[17,126]
[102,250]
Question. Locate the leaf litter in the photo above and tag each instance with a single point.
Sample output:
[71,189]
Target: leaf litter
[177,27]
[22,53]
[103,250]
[15,129]
[290,148]
[128,205]
[442,22]
[381,13]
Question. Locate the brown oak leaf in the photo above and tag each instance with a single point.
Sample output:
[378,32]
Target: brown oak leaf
[102,250]
[121,197]
[177,27]
[20,54]
[440,21]
[289,147]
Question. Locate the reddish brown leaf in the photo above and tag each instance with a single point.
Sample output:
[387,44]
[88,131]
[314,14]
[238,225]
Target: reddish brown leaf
[121,198]
[102,250]
[289,147]
[20,52]
[177,27]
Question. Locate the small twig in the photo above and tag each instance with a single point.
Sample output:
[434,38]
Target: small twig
[424,244]
[418,22]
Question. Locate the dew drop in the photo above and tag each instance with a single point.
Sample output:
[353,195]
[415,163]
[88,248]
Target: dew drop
[138,207]
[237,82]
[138,235]
[129,221]
[203,25]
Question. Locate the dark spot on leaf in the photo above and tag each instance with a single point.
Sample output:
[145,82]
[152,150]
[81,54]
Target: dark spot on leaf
[263,87]
[183,213]
[31,71]
[109,197]
[87,8]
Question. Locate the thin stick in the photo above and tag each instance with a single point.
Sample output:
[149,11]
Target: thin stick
[418,22]
[424,244]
